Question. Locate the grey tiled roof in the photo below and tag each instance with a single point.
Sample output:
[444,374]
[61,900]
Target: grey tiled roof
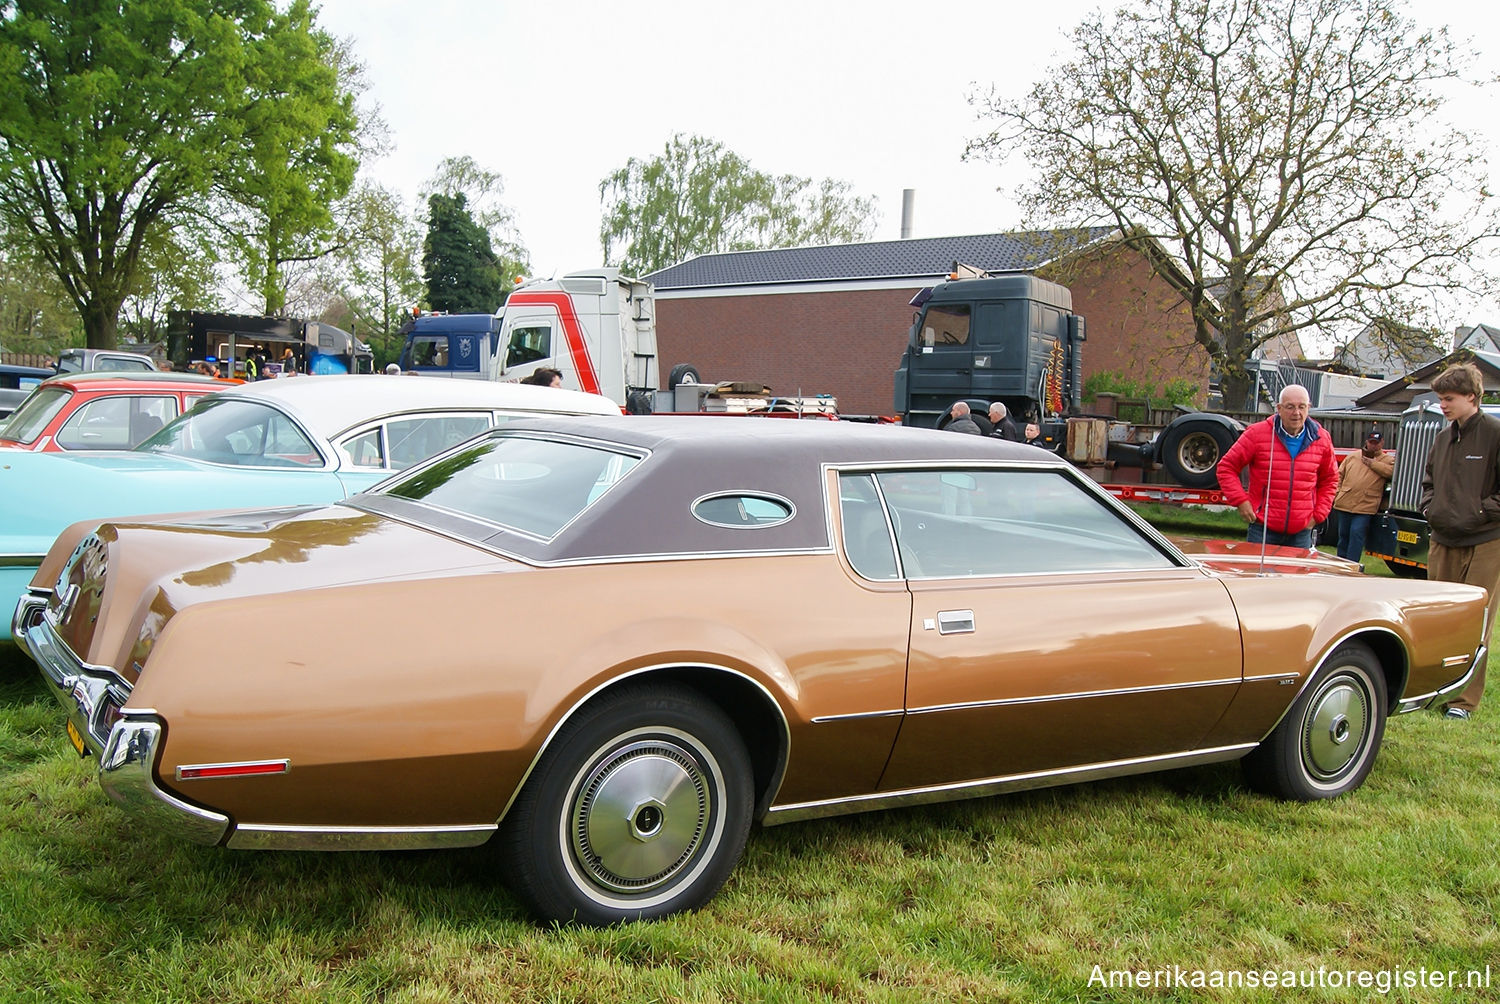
[923,258]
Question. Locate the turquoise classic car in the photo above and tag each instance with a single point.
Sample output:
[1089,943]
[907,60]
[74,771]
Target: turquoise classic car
[299,441]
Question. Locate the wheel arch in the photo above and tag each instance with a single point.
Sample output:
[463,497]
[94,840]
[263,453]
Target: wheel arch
[1389,650]
[756,715]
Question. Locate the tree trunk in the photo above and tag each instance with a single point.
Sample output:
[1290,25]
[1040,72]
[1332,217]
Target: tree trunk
[101,326]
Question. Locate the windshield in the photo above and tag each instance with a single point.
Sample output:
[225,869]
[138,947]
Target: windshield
[35,412]
[537,486]
[241,433]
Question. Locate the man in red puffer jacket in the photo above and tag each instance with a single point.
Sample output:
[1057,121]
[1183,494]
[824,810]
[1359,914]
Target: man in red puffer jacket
[1293,474]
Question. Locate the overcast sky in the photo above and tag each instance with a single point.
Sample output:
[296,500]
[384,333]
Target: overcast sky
[554,96]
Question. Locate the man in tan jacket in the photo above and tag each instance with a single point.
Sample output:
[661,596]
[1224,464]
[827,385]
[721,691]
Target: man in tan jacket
[1362,478]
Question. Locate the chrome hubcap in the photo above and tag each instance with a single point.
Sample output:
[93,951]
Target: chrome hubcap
[1338,720]
[640,815]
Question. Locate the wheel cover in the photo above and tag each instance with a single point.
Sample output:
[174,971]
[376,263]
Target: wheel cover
[641,815]
[1337,727]
[1198,452]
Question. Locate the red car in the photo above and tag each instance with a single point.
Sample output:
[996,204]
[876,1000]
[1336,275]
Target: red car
[101,411]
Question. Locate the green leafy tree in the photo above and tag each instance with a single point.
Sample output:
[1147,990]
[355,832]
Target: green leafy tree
[698,197]
[1287,154]
[117,122]
[381,279]
[36,316]
[483,191]
[462,272]
[298,152]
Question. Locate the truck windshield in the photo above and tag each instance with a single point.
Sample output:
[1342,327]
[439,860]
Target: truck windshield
[945,325]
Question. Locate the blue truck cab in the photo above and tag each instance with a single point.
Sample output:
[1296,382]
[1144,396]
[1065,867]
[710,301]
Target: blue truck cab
[451,345]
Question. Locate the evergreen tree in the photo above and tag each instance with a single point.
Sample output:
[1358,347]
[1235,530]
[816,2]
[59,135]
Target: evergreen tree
[462,272]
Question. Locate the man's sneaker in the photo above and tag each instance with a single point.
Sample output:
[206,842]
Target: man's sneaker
[1455,713]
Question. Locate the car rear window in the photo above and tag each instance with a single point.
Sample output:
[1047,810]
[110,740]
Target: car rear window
[235,432]
[535,486]
[40,408]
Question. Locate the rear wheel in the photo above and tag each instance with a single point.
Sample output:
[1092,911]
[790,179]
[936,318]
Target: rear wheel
[639,809]
[1327,743]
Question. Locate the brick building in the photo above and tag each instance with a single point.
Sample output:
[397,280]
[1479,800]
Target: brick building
[835,319]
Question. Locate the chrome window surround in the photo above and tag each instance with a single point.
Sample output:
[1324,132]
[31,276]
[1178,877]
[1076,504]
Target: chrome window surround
[1128,516]
[749,493]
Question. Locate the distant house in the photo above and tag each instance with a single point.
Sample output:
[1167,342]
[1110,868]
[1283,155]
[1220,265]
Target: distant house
[1480,338]
[835,319]
[1385,350]
[1396,395]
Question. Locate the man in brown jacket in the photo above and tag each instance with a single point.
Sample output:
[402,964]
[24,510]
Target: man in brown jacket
[1362,478]
[1461,500]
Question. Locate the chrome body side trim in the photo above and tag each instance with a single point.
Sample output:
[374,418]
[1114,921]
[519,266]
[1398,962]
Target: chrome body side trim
[999,785]
[21,560]
[127,775]
[857,716]
[277,837]
[1428,700]
[1075,696]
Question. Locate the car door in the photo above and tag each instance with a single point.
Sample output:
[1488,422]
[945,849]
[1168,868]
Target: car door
[1048,631]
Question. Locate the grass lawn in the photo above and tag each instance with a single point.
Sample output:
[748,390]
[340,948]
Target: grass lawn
[1016,898]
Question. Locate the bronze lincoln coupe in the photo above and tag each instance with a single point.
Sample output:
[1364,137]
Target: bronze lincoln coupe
[614,645]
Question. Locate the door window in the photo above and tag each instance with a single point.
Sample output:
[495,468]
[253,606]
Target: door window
[952,523]
[528,345]
[115,423]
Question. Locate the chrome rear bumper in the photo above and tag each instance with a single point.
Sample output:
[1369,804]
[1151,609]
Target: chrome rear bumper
[125,742]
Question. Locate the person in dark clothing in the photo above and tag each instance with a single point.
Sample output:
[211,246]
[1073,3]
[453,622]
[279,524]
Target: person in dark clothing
[1004,427]
[962,421]
[1461,501]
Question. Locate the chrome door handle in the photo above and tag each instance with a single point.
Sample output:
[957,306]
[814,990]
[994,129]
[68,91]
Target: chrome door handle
[955,622]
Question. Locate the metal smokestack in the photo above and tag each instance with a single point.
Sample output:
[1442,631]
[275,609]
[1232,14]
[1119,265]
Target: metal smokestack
[908,205]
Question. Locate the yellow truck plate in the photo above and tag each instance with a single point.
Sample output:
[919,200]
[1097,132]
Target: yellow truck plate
[77,739]
[1406,536]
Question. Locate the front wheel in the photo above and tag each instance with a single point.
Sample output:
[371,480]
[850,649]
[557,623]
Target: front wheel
[1328,740]
[639,809]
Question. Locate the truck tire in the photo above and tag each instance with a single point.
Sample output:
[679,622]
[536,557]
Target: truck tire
[638,402]
[1191,452]
[682,373]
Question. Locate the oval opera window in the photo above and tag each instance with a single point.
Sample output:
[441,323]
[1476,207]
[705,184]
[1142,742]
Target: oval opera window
[736,509]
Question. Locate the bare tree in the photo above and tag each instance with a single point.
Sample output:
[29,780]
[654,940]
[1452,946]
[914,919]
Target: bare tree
[1287,154]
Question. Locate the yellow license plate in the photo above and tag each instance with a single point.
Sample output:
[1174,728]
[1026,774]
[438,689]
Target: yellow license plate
[77,740]
[1406,536]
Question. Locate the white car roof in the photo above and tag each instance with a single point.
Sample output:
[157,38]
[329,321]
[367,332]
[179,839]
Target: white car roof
[331,404]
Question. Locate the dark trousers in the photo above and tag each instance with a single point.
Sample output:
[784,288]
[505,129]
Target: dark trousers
[1257,533]
[1353,528]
